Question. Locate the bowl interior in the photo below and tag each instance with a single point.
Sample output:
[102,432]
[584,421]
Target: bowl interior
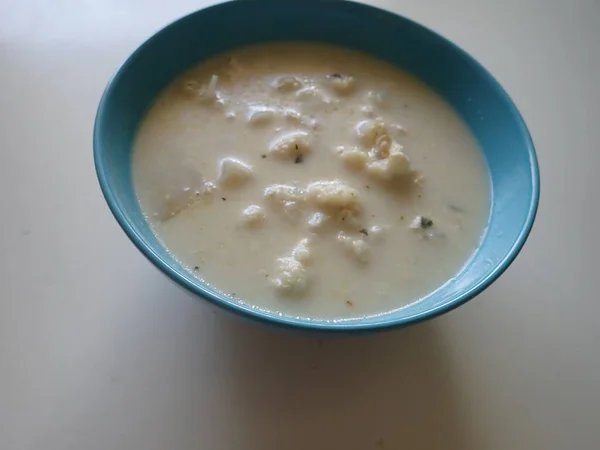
[472,91]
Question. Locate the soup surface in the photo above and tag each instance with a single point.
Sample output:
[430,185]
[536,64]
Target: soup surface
[311,181]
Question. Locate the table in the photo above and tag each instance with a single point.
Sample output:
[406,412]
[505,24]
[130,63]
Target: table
[99,351]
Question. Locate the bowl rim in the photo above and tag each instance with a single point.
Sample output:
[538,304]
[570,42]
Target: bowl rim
[239,308]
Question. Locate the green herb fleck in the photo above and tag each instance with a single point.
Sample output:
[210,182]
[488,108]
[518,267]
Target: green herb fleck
[426,223]
[349,303]
[263,156]
[223,198]
[196,268]
[365,232]
[401,217]
[298,159]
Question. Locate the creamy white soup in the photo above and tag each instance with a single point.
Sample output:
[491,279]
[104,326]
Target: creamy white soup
[311,181]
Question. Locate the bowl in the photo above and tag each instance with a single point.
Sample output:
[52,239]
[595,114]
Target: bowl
[462,81]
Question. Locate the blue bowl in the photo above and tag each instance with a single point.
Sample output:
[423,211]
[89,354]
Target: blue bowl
[464,83]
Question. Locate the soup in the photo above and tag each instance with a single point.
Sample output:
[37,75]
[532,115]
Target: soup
[311,181]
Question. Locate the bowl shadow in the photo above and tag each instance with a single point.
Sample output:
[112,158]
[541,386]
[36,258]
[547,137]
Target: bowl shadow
[389,390]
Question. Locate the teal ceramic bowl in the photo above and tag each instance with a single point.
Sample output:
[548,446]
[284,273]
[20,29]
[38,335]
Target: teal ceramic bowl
[465,84]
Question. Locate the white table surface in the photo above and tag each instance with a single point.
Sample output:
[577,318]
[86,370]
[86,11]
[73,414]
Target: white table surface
[98,351]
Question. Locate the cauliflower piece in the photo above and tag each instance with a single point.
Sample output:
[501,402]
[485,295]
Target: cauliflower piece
[260,115]
[353,158]
[334,196]
[421,223]
[289,199]
[367,110]
[291,145]
[233,173]
[361,251]
[312,97]
[253,216]
[301,119]
[286,84]
[369,130]
[358,248]
[377,98]
[382,147]
[395,165]
[209,188]
[291,276]
[281,193]
[342,84]
[302,253]
[317,221]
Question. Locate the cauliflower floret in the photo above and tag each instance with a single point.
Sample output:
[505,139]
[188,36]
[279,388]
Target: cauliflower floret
[361,250]
[334,196]
[377,98]
[281,193]
[382,147]
[369,130]
[209,188]
[291,145]
[287,84]
[289,199]
[357,247]
[291,276]
[253,216]
[342,84]
[313,98]
[353,158]
[302,253]
[260,115]
[233,172]
[301,119]
[421,223]
[317,221]
[310,93]
[395,165]
[291,272]
[367,110]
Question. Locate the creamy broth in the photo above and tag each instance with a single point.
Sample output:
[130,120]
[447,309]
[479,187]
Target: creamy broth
[311,181]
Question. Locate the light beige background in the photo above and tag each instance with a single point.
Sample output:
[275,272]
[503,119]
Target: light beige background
[98,351]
